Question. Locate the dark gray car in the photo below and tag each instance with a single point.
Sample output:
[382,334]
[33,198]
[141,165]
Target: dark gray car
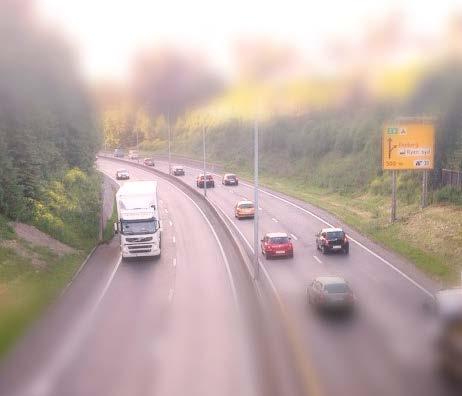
[330,292]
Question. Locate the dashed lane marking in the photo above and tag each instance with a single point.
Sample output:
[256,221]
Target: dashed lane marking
[317,259]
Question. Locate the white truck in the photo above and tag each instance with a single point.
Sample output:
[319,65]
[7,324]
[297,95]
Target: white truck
[139,224]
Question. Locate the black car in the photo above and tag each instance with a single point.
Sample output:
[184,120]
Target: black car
[332,240]
[178,171]
[230,179]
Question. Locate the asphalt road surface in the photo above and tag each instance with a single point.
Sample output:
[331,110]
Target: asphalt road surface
[168,326]
[179,325]
[386,348]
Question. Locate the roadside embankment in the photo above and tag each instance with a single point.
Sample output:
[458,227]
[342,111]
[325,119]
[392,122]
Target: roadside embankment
[35,266]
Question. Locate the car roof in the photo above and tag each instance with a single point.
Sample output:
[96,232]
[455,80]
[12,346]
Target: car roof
[245,201]
[148,158]
[122,170]
[330,279]
[331,230]
[276,234]
[230,174]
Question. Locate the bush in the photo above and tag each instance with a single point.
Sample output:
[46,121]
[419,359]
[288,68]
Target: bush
[449,194]
[6,232]
[69,208]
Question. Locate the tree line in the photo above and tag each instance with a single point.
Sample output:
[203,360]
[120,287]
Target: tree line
[47,119]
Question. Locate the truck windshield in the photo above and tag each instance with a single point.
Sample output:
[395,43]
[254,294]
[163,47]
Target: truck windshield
[139,227]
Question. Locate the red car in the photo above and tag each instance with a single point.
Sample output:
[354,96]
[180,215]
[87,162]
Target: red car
[277,244]
[210,183]
[148,162]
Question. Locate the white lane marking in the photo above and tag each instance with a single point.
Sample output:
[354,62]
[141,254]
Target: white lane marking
[317,259]
[161,202]
[273,288]
[173,239]
[275,220]
[171,224]
[171,293]
[166,210]
[383,260]
[294,237]
[45,381]
[174,262]
[377,256]
[259,208]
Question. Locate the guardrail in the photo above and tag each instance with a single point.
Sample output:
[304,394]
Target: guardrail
[451,178]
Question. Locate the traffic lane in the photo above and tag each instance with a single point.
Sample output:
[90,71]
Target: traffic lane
[385,257]
[395,332]
[118,356]
[203,335]
[383,329]
[372,279]
[365,269]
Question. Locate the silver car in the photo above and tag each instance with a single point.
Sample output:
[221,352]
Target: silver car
[330,292]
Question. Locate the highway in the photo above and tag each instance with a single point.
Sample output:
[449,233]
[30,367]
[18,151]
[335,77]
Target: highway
[386,348]
[188,322]
[176,325]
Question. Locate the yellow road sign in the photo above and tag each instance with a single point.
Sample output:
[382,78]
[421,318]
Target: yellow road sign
[408,145]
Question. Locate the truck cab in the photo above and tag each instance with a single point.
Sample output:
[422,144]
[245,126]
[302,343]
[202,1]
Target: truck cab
[139,225]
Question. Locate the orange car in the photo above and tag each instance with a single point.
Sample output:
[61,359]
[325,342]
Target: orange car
[244,210]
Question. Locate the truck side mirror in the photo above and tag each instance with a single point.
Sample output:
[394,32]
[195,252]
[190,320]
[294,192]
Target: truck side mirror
[116,228]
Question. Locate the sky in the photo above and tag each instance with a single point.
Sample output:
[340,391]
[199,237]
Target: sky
[108,33]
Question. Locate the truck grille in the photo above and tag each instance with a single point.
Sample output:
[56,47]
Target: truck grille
[139,239]
[135,247]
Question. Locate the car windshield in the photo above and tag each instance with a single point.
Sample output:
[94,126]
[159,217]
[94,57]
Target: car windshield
[279,240]
[335,234]
[246,206]
[231,176]
[337,288]
[122,171]
[139,227]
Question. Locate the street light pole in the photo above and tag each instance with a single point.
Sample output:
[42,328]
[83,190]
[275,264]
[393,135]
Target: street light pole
[203,149]
[169,145]
[256,249]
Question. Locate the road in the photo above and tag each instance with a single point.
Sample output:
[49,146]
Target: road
[386,348]
[169,326]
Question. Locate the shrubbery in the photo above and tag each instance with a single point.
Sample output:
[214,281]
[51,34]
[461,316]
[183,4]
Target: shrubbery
[70,208]
[449,194]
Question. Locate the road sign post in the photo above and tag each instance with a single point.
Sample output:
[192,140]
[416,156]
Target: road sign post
[256,241]
[169,144]
[393,196]
[424,198]
[203,149]
[408,144]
